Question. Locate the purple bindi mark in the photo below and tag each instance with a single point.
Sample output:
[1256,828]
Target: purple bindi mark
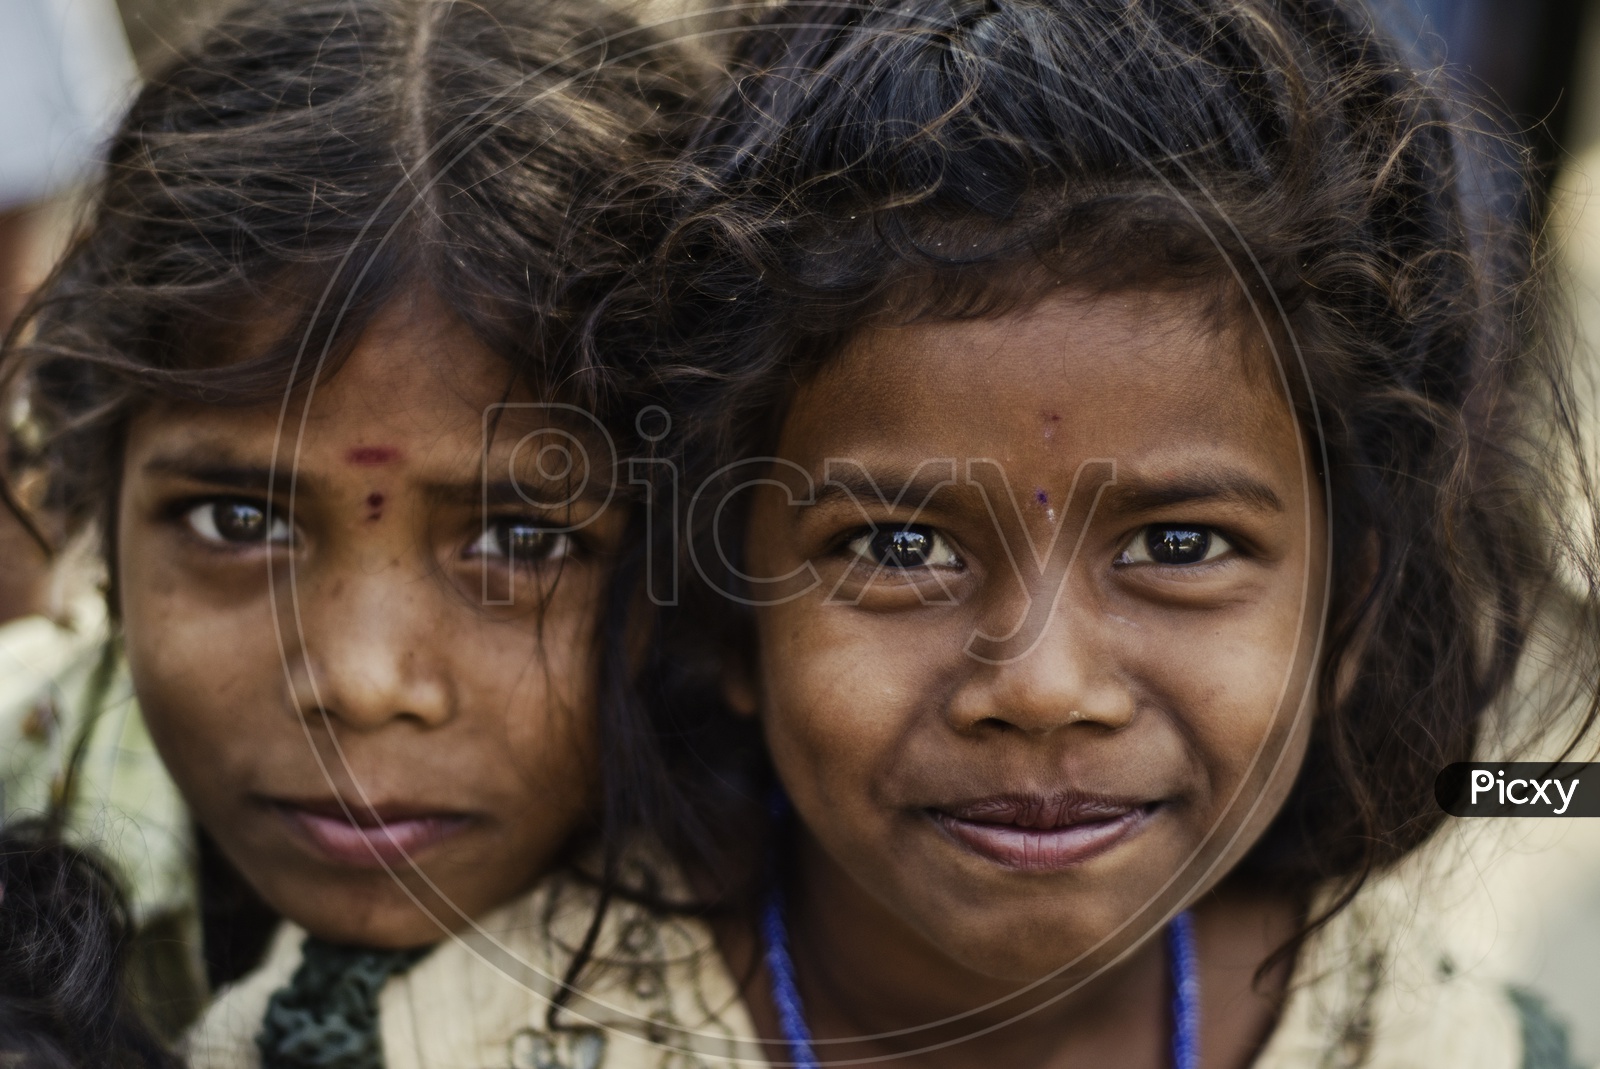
[374,506]
[1041,497]
[367,456]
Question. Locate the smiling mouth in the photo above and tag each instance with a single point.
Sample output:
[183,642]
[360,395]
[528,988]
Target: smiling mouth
[1038,834]
[367,837]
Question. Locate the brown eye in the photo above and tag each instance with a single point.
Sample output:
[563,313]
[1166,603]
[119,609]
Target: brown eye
[1177,545]
[912,546]
[1173,544]
[520,542]
[237,521]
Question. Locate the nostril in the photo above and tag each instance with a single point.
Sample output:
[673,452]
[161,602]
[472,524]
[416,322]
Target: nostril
[321,714]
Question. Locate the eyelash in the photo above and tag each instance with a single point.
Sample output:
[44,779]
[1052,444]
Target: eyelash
[1140,550]
[858,545]
[487,547]
[199,516]
[1137,550]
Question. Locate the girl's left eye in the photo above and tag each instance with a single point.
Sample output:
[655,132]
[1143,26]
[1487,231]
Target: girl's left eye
[1173,544]
[911,546]
[520,542]
[238,522]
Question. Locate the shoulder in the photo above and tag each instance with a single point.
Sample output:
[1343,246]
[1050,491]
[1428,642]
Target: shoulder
[1384,985]
[225,1036]
[72,736]
[43,667]
[67,706]
[655,993]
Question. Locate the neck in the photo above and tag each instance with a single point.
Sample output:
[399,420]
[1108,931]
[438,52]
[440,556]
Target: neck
[863,972]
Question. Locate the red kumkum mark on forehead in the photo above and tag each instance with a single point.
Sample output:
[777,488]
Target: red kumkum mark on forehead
[1051,419]
[374,506]
[368,456]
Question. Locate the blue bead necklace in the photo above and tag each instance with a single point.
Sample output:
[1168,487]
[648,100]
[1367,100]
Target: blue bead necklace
[792,1017]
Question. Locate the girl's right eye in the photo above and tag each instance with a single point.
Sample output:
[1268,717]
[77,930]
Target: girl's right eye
[911,546]
[239,522]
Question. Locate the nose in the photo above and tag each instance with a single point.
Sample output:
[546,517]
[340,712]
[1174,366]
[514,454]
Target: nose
[1069,676]
[369,649]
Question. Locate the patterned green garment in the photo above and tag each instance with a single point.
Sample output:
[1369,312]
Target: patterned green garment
[327,1016]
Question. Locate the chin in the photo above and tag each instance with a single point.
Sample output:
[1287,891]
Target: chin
[390,929]
[1040,943]
[381,916]
[1004,963]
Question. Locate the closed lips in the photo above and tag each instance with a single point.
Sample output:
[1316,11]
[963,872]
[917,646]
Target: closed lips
[1040,833]
[366,837]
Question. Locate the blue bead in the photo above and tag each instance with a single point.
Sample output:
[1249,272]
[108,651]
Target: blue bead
[785,996]
[1185,993]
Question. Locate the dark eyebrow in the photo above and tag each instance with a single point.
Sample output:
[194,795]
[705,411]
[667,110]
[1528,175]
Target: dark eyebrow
[254,478]
[258,479]
[1146,495]
[853,483]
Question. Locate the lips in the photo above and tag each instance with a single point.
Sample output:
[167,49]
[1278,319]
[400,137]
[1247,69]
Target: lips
[1040,833]
[368,837]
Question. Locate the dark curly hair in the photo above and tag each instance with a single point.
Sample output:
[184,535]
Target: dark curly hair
[64,934]
[875,163]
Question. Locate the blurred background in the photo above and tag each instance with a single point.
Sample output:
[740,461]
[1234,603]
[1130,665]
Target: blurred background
[1525,899]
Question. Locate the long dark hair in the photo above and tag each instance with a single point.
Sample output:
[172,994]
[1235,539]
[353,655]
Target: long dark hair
[300,165]
[928,159]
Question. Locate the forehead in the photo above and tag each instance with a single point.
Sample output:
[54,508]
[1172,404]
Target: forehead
[1102,375]
[417,384]
[416,370]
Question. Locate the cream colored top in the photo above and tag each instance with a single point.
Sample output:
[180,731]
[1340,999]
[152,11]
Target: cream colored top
[659,998]
[1381,988]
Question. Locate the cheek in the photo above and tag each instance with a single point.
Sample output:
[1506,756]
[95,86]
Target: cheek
[836,709]
[538,684]
[1242,692]
[548,722]
[197,663]
[1239,689]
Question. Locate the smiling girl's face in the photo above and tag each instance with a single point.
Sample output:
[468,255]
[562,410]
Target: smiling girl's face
[386,645]
[1026,719]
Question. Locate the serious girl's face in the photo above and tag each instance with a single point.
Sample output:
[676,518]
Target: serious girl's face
[365,651]
[1045,604]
